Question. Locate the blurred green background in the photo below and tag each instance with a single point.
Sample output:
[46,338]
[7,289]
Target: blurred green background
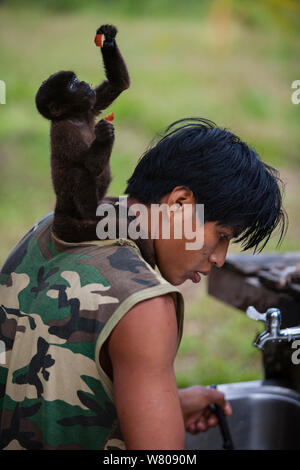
[230,61]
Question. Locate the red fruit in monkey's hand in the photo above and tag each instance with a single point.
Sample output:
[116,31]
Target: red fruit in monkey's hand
[109,117]
[99,40]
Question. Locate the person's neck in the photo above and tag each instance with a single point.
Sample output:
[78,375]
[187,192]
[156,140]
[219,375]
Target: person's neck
[146,245]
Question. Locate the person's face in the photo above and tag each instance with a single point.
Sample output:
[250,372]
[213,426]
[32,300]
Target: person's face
[176,263]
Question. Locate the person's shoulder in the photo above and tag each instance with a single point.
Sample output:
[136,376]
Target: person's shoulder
[125,260]
[119,261]
[125,270]
[20,250]
[117,265]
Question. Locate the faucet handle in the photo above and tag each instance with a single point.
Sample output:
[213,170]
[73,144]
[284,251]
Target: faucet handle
[255,315]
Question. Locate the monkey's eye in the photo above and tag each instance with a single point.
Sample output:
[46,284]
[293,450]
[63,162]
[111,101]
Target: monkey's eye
[73,84]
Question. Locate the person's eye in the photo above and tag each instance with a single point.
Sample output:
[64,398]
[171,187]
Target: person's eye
[223,236]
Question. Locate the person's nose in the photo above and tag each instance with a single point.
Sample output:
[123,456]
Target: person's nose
[218,256]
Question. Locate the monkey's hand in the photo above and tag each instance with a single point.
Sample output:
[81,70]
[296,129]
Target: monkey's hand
[109,32]
[104,131]
[97,157]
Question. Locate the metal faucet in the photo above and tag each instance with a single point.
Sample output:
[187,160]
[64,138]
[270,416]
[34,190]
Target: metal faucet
[272,318]
[277,348]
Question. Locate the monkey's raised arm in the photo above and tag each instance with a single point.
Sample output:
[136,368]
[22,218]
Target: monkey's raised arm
[115,70]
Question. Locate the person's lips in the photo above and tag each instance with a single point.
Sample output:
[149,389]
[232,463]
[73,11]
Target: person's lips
[196,277]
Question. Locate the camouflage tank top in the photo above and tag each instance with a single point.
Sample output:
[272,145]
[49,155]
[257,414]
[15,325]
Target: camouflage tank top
[58,304]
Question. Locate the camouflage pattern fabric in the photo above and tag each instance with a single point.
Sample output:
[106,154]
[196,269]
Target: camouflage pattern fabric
[58,304]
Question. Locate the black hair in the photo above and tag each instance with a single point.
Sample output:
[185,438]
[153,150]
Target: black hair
[224,173]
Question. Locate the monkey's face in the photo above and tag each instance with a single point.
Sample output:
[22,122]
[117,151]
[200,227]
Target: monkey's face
[79,96]
[81,90]
[63,96]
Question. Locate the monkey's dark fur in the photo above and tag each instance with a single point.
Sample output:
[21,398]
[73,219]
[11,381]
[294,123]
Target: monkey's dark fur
[81,148]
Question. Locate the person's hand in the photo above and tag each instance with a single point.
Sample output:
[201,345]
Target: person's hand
[197,414]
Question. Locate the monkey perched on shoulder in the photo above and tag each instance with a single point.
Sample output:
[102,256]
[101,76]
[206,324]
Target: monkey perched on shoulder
[81,148]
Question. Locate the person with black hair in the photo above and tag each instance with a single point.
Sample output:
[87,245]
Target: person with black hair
[109,323]
[196,162]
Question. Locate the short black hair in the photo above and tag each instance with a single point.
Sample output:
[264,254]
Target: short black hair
[224,173]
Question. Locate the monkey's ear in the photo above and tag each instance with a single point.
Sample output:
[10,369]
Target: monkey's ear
[55,109]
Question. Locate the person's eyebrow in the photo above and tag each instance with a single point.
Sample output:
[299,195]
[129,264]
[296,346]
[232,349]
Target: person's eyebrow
[236,231]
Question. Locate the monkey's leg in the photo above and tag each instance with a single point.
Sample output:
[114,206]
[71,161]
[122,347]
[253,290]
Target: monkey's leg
[102,183]
[115,69]
[73,230]
[83,192]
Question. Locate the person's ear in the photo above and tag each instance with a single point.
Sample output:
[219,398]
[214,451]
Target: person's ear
[181,195]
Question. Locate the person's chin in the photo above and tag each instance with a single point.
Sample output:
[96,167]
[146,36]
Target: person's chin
[174,280]
[171,277]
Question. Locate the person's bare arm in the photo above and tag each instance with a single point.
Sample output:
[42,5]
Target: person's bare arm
[142,349]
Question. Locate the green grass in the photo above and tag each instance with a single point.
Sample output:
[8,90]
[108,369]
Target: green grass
[233,64]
